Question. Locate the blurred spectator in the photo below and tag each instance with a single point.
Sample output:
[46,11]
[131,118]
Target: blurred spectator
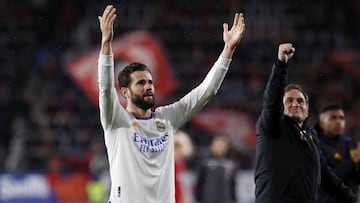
[341,151]
[183,151]
[216,175]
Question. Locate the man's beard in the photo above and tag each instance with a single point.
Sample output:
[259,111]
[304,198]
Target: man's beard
[139,101]
[297,119]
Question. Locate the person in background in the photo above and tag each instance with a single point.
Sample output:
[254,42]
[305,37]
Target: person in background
[183,151]
[289,164]
[216,181]
[138,137]
[341,151]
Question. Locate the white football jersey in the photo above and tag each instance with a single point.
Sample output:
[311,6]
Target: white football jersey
[141,151]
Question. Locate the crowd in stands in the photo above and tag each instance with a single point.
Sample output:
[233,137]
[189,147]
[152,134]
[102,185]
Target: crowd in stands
[45,119]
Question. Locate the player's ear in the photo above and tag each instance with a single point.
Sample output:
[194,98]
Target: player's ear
[125,92]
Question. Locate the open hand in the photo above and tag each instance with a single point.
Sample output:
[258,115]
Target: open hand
[106,22]
[233,36]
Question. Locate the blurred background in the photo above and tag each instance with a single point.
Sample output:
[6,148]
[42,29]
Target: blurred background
[52,147]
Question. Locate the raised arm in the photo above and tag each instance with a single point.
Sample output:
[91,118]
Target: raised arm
[286,52]
[108,101]
[106,22]
[233,36]
[272,98]
[193,102]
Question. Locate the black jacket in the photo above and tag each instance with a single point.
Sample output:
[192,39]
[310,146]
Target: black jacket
[337,150]
[216,181]
[289,165]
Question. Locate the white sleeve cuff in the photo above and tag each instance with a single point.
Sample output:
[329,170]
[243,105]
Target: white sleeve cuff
[224,62]
[106,60]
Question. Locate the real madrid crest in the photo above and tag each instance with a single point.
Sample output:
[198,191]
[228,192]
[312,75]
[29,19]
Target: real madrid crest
[160,126]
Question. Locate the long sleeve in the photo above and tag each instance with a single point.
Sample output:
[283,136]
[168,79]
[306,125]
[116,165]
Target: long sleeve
[271,111]
[108,99]
[184,109]
[105,72]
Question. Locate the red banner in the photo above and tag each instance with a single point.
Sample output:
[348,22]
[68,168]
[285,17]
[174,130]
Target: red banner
[138,46]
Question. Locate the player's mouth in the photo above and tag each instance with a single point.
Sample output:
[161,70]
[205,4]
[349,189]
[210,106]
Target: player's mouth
[148,95]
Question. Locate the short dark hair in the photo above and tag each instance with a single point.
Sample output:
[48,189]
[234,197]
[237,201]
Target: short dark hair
[295,86]
[124,79]
[331,107]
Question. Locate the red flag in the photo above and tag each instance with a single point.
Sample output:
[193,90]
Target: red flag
[138,46]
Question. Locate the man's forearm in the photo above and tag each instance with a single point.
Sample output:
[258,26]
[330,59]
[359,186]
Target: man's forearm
[106,48]
[227,52]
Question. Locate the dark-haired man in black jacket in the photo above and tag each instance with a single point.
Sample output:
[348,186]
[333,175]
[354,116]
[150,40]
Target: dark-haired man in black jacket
[289,165]
[341,151]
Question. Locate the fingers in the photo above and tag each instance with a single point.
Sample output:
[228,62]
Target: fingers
[226,27]
[108,14]
[290,50]
[287,48]
[238,23]
[113,17]
[236,20]
[242,19]
[242,22]
[108,10]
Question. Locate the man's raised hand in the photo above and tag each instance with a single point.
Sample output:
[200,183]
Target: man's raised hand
[233,36]
[286,52]
[106,22]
